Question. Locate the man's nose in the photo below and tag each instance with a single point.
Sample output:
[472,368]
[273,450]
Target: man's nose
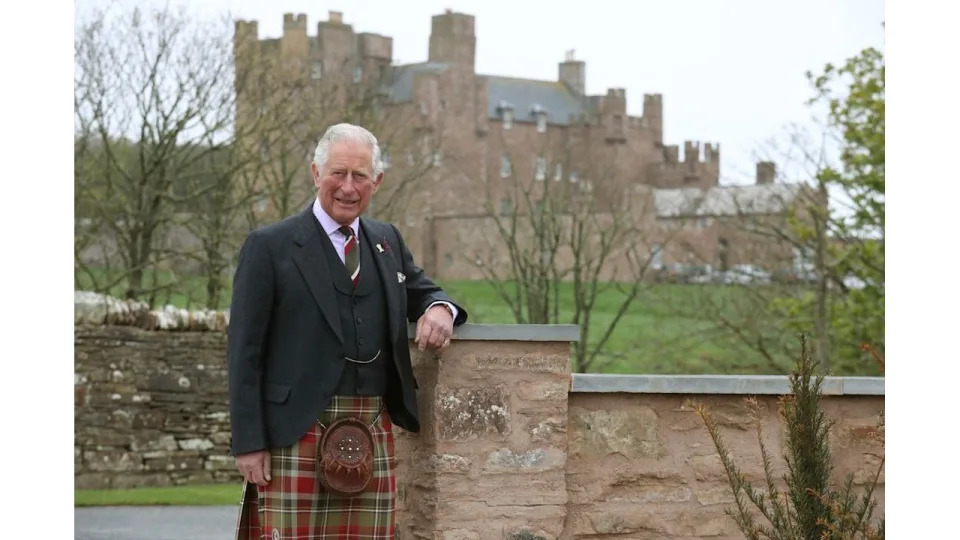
[350,182]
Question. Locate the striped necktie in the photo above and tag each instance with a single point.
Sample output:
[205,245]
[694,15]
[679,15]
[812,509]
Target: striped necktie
[351,256]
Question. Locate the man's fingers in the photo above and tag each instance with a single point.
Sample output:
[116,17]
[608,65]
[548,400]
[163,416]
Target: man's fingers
[438,338]
[257,476]
[266,467]
[419,327]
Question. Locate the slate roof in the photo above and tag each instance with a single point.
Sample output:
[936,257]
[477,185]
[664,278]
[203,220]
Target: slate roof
[525,95]
[725,200]
[402,87]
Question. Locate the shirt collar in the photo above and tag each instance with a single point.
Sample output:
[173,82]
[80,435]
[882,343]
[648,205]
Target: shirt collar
[329,225]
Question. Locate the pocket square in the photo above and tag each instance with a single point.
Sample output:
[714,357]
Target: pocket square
[401,277]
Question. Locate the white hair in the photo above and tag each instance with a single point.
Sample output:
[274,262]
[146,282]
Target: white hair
[347,132]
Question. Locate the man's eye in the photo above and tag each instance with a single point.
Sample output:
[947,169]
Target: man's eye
[339,173]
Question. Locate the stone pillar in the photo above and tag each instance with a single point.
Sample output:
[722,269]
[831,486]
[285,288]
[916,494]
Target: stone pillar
[489,461]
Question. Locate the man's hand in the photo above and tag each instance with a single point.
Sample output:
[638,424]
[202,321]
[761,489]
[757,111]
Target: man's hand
[434,328]
[255,467]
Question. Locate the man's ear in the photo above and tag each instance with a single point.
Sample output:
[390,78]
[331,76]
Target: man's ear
[316,175]
[376,183]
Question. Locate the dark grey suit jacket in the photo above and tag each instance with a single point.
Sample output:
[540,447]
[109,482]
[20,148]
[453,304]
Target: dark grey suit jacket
[284,341]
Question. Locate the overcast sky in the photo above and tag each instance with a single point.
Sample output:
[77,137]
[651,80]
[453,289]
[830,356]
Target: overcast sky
[730,71]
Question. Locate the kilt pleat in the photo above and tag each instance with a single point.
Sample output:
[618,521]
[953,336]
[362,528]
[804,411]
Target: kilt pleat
[295,506]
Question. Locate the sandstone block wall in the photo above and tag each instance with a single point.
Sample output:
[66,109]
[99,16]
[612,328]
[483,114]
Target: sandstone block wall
[490,461]
[644,466]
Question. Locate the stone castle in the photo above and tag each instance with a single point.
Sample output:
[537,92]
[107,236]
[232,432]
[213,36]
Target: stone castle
[469,138]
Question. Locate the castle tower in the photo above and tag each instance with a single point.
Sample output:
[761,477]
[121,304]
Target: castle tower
[766,172]
[653,115]
[452,39]
[294,43]
[573,73]
[335,40]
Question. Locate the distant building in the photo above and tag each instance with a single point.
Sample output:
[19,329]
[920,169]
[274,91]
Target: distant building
[468,137]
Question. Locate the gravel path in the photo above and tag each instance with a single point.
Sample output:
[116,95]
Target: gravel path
[155,522]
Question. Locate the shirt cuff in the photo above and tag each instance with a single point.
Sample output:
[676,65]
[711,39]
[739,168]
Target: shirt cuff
[453,308]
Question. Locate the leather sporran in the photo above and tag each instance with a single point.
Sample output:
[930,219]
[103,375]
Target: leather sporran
[345,457]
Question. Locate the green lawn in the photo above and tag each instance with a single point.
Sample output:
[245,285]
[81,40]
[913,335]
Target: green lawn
[651,337]
[211,494]
[659,334]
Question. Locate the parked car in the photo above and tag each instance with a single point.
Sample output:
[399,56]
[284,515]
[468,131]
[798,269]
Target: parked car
[808,277]
[746,274]
[682,273]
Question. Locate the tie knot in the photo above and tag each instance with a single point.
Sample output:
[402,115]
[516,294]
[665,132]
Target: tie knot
[346,231]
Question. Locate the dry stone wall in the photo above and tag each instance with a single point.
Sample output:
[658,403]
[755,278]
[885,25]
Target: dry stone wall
[150,408]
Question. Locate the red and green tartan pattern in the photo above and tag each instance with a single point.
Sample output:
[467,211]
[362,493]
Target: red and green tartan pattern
[294,505]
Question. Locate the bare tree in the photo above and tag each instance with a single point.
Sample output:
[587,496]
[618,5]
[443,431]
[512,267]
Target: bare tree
[154,95]
[296,108]
[554,236]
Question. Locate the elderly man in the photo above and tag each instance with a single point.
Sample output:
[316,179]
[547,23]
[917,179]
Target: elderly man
[317,347]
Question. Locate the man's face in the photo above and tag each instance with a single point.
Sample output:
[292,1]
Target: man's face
[346,183]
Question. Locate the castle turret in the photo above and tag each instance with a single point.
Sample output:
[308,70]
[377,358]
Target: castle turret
[452,39]
[573,73]
[766,172]
[653,115]
[294,43]
[336,43]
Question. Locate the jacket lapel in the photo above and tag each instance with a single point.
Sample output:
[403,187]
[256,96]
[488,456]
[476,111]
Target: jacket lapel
[388,274]
[314,269]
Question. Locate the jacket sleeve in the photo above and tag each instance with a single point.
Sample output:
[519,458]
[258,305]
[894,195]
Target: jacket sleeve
[246,337]
[421,290]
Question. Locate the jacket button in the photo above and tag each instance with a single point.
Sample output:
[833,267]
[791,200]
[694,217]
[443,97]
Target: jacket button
[359,320]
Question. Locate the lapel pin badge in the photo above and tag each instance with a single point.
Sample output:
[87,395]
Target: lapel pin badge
[401,277]
[379,248]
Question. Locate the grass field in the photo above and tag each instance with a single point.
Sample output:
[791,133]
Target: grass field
[212,494]
[654,336]
[651,337]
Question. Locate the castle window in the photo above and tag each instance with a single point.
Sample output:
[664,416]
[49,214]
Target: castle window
[656,256]
[540,114]
[506,114]
[358,74]
[317,70]
[506,168]
[574,178]
[385,158]
[437,158]
[540,172]
[558,172]
[505,206]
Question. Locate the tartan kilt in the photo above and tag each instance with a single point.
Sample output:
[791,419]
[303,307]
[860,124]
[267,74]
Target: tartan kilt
[294,505]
